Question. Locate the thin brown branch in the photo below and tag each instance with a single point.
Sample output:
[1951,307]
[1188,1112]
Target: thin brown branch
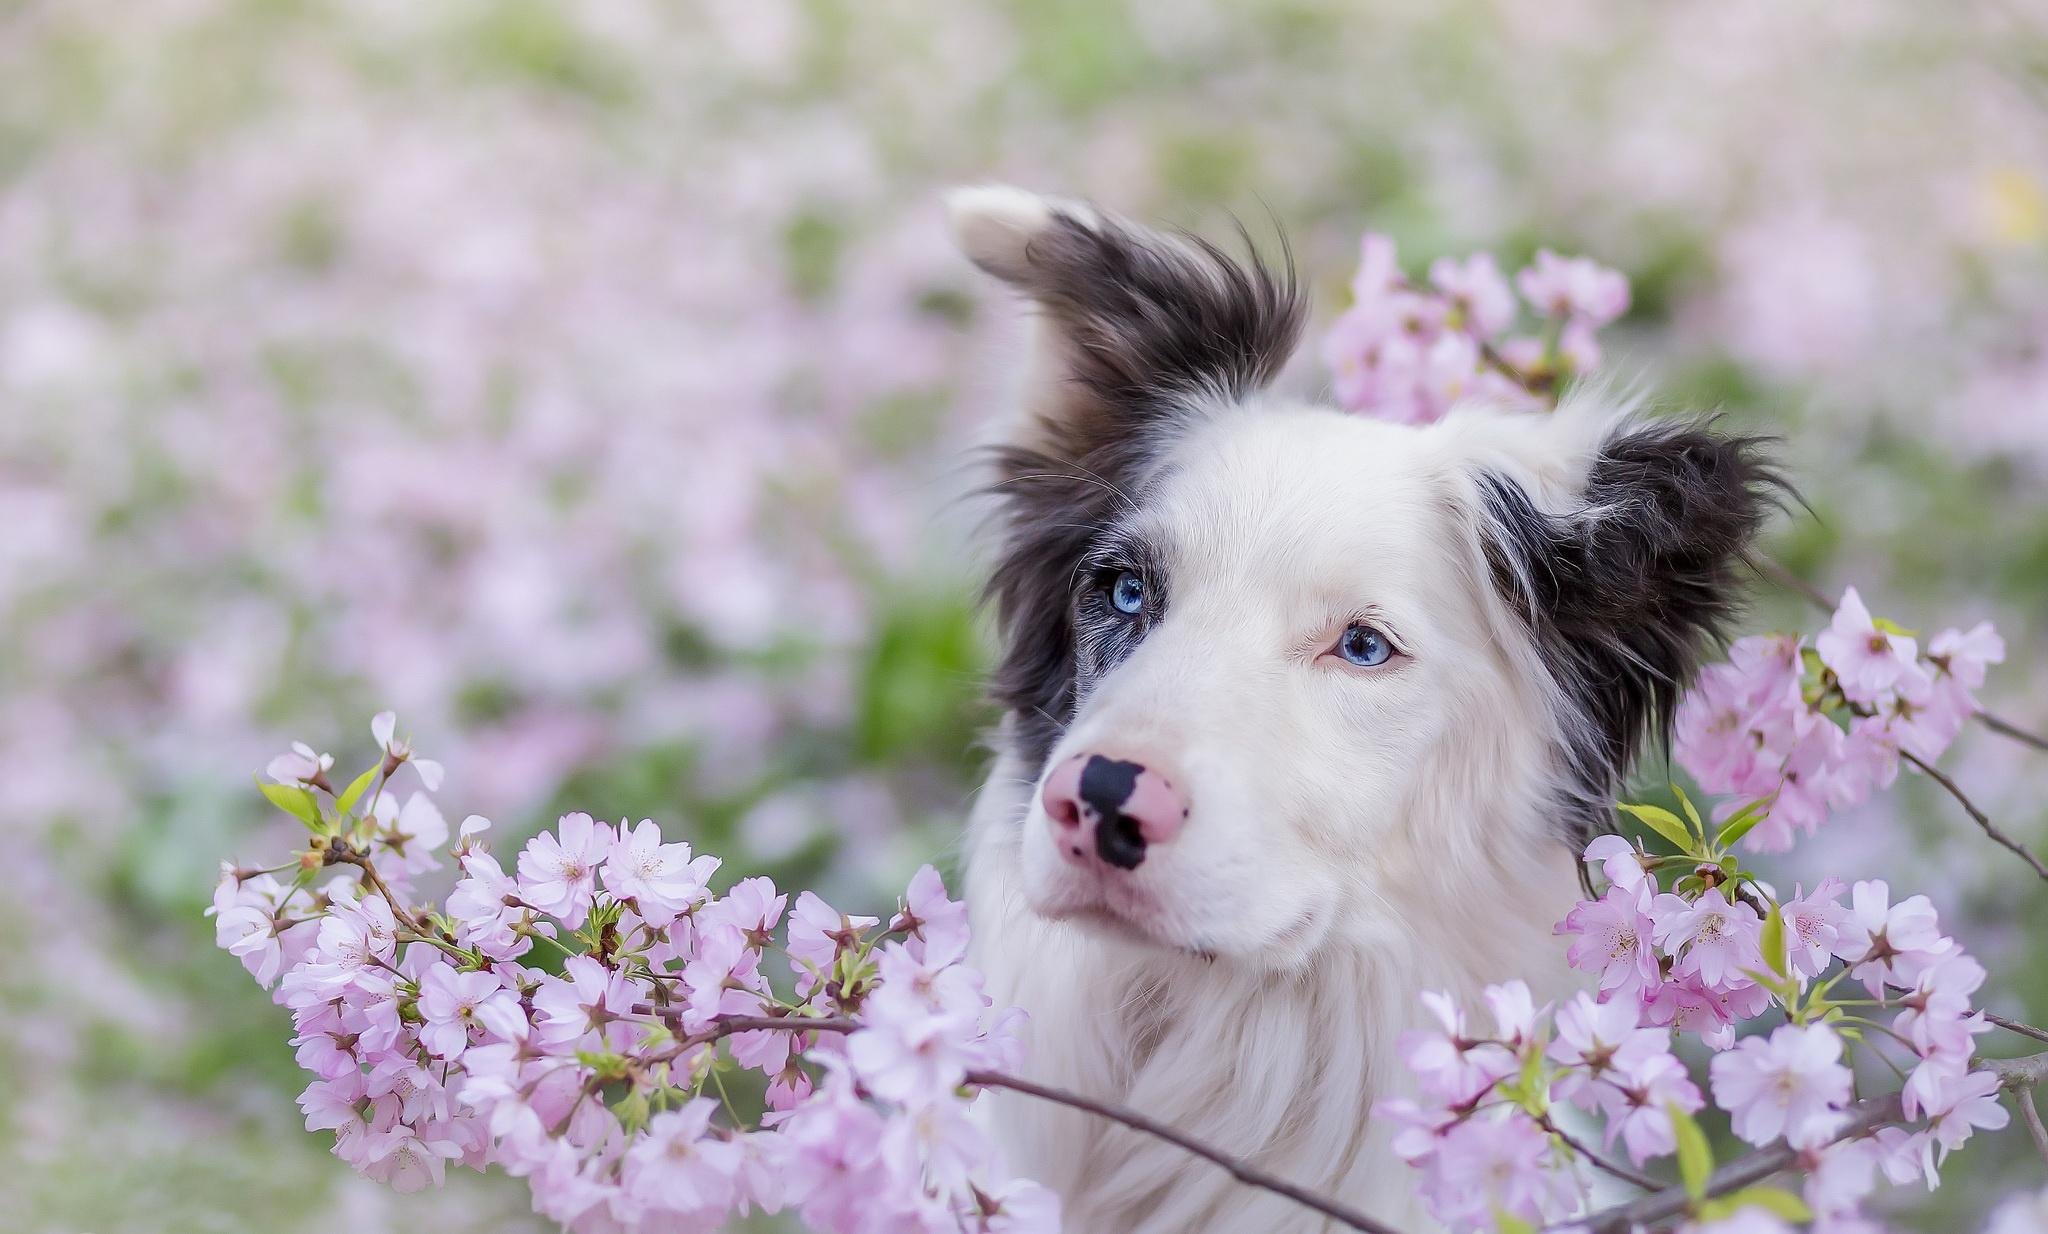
[1236,1167]
[2018,1074]
[1970,807]
[1744,1171]
[2015,1026]
[1813,595]
[2006,728]
[2030,1114]
[1618,1170]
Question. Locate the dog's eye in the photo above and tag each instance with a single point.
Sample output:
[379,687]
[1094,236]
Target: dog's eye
[1127,594]
[1364,646]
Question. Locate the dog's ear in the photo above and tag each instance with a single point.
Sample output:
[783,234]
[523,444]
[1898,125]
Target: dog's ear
[1136,331]
[1133,323]
[1627,579]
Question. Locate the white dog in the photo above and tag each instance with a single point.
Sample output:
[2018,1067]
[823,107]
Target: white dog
[1305,713]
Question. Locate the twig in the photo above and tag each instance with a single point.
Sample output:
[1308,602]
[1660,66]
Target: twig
[1745,1171]
[1821,600]
[1620,1171]
[1238,1169]
[2031,1115]
[2014,1026]
[2006,728]
[1990,828]
[2019,1074]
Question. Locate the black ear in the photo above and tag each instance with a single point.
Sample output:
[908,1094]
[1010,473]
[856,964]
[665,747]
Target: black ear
[1624,593]
[1137,331]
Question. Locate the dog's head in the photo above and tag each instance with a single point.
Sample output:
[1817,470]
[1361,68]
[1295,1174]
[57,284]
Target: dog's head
[1271,664]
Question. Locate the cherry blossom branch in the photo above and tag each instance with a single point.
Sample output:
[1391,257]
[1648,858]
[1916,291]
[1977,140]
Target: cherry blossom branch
[2015,1026]
[2014,1074]
[1970,807]
[1813,595]
[2030,1113]
[1746,1171]
[1618,1170]
[1236,1167]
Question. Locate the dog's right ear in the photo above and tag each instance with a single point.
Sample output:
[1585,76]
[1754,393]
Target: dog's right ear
[1134,324]
[1137,331]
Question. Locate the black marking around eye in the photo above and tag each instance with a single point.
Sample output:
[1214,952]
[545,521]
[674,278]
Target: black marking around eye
[1157,329]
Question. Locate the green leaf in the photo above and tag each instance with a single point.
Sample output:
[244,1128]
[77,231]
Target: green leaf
[1695,1158]
[1661,821]
[1507,1223]
[1774,1200]
[1773,941]
[1741,823]
[295,801]
[1892,627]
[354,792]
[1692,816]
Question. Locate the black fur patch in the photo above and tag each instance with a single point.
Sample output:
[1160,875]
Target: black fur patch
[1149,326]
[1624,594]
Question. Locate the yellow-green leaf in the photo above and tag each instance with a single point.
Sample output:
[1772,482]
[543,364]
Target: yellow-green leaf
[1691,815]
[1774,1200]
[295,801]
[1507,1223]
[1741,823]
[1773,941]
[1663,822]
[354,792]
[1695,1157]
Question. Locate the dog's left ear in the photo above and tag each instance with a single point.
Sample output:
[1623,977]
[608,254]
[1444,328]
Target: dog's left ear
[1627,579]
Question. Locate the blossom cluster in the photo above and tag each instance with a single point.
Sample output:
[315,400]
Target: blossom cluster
[1801,731]
[581,1019]
[1692,942]
[1407,352]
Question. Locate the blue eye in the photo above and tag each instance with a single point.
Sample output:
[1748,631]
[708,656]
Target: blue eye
[1364,646]
[1127,593]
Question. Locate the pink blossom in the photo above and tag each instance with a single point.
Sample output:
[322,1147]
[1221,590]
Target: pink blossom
[300,765]
[452,1005]
[1964,655]
[1449,1064]
[1479,294]
[817,932]
[1575,287]
[937,925]
[680,1166]
[1792,1084]
[1889,943]
[1720,939]
[1812,926]
[1638,1100]
[1866,660]
[1489,1165]
[587,998]
[660,879]
[558,868]
[1613,937]
[1956,1106]
[397,750]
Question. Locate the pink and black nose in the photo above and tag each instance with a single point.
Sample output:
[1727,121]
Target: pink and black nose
[1111,808]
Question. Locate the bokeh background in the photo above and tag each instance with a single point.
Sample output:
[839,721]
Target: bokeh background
[593,384]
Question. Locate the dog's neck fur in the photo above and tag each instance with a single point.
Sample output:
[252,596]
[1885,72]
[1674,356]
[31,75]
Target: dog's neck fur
[1280,1069]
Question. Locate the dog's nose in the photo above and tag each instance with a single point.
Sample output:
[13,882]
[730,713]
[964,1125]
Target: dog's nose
[1111,808]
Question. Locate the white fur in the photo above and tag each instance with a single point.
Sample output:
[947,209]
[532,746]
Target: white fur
[1357,836]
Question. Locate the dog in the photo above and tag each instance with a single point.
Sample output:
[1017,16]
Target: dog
[1303,713]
